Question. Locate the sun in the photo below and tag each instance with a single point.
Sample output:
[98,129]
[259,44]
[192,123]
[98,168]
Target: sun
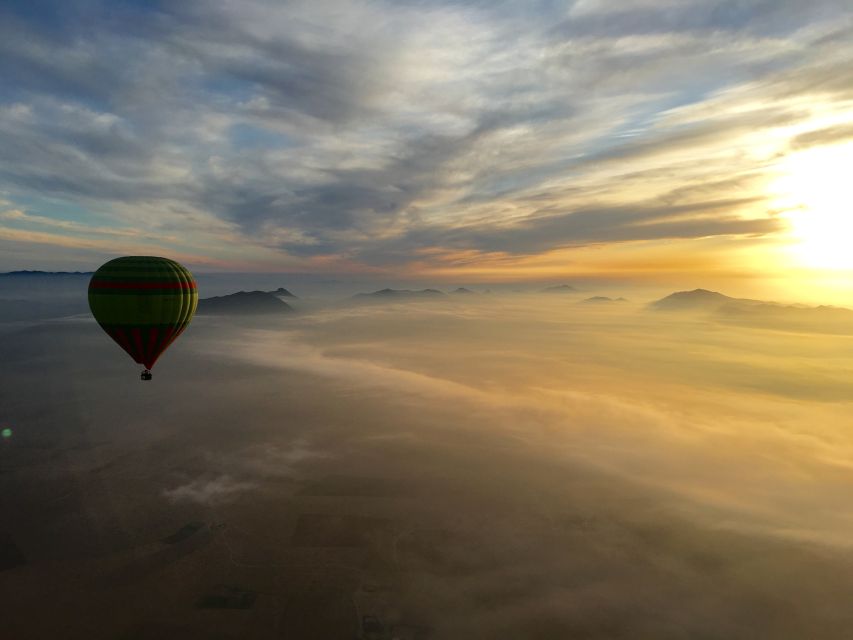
[814,190]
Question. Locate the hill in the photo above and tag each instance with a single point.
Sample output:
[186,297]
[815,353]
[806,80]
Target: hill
[282,292]
[400,294]
[560,288]
[771,315]
[16,310]
[243,303]
[30,274]
[602,300]
[759,313]
[696,300]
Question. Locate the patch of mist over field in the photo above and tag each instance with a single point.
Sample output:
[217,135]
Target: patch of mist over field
[731,419]
[492,466]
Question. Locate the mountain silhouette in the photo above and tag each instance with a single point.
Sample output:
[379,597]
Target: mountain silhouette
[25,274]
[771,315]
[243,303]
[602,300]
[696,300]
[284,293]
[14,310]
[760,313]
[401,294]
[560,288]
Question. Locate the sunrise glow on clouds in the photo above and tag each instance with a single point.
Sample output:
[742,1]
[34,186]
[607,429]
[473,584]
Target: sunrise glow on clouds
[529,140]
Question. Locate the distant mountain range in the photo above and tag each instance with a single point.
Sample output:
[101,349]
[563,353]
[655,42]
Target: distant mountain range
[560,288]
[39,295]
[282,292]
[16,310]
[244,303]
[24,274]
[400,294]
[759,313]
[36,295]
[696,300]
[602,300]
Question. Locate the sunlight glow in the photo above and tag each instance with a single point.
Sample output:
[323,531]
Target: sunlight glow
[815,193]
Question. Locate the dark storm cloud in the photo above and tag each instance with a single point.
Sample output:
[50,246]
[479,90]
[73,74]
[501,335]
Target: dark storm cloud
[391,126]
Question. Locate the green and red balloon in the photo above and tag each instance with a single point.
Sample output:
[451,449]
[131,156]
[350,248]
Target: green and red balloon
[143,303]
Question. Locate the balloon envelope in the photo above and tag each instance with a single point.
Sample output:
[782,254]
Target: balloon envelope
[143,303]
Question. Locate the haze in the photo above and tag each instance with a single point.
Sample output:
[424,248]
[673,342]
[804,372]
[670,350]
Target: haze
[484,464]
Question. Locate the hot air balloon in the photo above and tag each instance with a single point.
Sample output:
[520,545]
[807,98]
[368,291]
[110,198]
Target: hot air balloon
[143,303]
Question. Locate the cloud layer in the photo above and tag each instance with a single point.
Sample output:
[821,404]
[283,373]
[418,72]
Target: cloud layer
[358,135]
[481,466]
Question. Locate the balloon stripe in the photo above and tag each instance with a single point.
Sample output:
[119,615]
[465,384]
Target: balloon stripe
[130,310]
[110,326]
[169,335]
[141,292]
[100,284]
[162,342]
[146,274]
[150,354]
[136,334]
[161,346]
[178,331]
[124,343]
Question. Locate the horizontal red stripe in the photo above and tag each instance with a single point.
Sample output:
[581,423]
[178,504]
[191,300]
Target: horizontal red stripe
[103,284]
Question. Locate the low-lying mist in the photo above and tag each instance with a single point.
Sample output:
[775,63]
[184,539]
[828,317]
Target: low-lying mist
[492,466]
[741,422]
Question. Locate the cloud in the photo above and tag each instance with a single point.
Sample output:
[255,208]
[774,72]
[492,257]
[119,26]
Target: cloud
[828,135]
[21,217]
[366,131]
[208,491]
[277,460]
[599,225]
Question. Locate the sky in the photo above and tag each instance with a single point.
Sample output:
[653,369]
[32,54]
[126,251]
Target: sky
[652,141]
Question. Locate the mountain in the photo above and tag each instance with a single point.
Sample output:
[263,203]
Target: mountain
[284,293]
[243,303]
[16,310]
[696,300]
[25,274]
[759,313]
[602,300]
[462,290]
[27,296]
[401,294]
[771,315]
[560,288]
